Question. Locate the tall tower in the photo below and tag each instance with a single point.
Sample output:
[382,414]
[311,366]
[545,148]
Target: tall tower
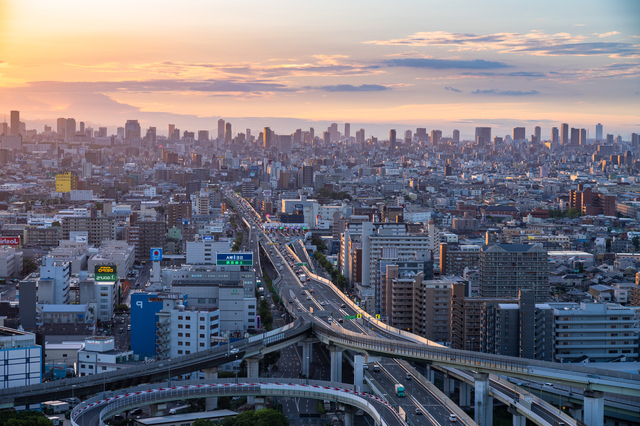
[171,130]
[436,135]
[347,130]
[392,138]
[564,134]
[266,138]
[456,136]
[598,132]
[538,134]
[15,123]
[554,135]
[228,135]
[221,129]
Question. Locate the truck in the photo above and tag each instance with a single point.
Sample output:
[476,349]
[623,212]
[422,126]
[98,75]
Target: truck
[179,410]
[302,278]
[399,389]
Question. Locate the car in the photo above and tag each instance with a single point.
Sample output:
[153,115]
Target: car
[308,298]
[340,320]
[234,351]
[409,376]
[343,306]
[453,418]
[418,412]
[290,300]
[322,303]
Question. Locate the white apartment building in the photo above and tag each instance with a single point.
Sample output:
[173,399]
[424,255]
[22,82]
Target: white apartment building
[99,355]
[53,283]
[203,250]
[600,331]
[73,252]
[10,262]
[117,253]
[20,359]
[106,297]
[193,330]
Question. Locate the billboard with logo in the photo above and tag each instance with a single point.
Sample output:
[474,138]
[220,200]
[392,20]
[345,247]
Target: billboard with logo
[223,259]
[106,273]
[156,254]
[10,241]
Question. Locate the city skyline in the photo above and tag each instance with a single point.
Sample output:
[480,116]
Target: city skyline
[467,65]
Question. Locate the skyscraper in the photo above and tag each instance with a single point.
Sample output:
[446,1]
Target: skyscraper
[131,131]
[554,135]
[70,129]
[564,134]
[456,135]
[228,135]
[347,130]
[392,138]
[15,123]
[436,135]
[266,137]
[519,133]
[171,131]
[575,136]
[583,137]
[221,129]
[333,131]
[61,128]
[248,133]
[598,132]
[538,134]
[326,138]
[484,133]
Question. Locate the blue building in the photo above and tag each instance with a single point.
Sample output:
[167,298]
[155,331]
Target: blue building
[144,310]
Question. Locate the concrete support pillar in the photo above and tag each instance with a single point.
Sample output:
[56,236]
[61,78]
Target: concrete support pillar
[259,403]
[253,373]
[307,356]
[348,418]
[431,374]
[449,384]
[336,363]
[594,408]
[519,420]
[211,403]
[358,372]
[576,413]
[484,402]
[465,394]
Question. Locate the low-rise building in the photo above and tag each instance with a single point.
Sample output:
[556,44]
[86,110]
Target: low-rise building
[100,355]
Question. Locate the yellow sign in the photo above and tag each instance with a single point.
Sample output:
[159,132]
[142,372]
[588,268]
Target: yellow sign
[359,316]
[105,269]
[377,316]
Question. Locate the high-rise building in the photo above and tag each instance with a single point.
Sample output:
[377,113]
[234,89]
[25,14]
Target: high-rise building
[360,136]
[284,143]
[61,128]
[248,133]
[221,129]
[22,358]
[554,135]
[326,138]
[392,138]
[228,135]
[266,138]
[456,136]
[307,176]
[537,132]
[519,133]
[102,132]
[15,123]
[333,131]
[575,136]
[583,137]
[70,132]
[484,133]
[564,134]
[347,130]
[171,131]
[505,269]
[598,132]
[436,135]
[132,131]
[421,134]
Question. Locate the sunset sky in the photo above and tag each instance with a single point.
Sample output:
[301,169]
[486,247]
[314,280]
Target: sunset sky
[435,64]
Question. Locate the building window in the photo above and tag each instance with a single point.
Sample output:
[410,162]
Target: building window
[179,343]
[179,351]
[202,336]
[180,318]
[179,334]
[187,352]
[179,325]
[187,343]
[202,345]
[187,326]
[202,327]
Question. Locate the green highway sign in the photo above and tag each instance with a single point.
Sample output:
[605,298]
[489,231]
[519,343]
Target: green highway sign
[350,317]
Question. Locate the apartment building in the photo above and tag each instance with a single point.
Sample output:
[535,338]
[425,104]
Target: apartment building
[455,258]
[505,269]
[20,358]
[116,253]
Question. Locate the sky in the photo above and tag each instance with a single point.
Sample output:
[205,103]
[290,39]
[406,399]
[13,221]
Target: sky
[291,64]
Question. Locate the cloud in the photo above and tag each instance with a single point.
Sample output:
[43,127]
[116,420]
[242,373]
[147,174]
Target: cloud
[505,92]
[442,64]
[453,89]
[535,43]
[508,74]
[619,70]
[351,88]
[609,34]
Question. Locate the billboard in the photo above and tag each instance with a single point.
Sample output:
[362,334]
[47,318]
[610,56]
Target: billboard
[208,238]
[255,168]
[223,259]
[9,241]
[266,193]
[106,273]
[156,254]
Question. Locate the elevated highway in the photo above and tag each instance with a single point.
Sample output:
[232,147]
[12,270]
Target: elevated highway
[95,411]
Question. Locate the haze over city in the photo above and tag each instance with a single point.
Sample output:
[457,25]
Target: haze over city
[453,64]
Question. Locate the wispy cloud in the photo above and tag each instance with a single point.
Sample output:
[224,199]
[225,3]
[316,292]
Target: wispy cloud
[534,43]
[609,34]
[618,70]
[351,88]
[505,92]
[453,89]
[442,64]
[507,74]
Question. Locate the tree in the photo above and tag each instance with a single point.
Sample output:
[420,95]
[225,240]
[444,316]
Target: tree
[23,418]
[264,417]
[28,266]
[636,242]
[122,307]
[204,422]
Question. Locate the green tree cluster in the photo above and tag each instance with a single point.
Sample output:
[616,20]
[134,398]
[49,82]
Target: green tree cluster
[265,315]
[23,418]
[338,279]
